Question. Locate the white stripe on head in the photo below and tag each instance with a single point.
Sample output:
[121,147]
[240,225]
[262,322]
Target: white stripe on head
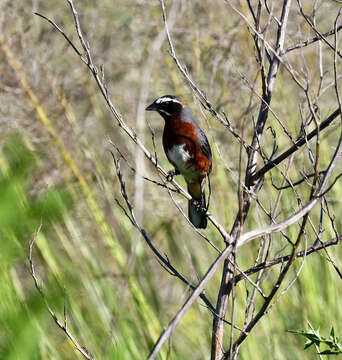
[165,112]
[166,99]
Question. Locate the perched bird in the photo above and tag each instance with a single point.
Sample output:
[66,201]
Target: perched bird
[188,150]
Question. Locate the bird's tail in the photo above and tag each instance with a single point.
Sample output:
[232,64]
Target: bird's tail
[197,206]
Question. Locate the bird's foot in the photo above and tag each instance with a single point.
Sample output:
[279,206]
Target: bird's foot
[170,175]
[198,205]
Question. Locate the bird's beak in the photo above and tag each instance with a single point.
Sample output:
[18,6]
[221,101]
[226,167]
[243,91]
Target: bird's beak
[152,107]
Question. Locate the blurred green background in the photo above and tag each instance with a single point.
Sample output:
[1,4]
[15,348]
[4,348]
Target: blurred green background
[56,169]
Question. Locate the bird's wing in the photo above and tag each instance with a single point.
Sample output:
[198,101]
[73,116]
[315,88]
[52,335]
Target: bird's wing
[204,145]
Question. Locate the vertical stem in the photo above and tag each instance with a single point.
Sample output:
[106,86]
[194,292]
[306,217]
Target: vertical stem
[228,272]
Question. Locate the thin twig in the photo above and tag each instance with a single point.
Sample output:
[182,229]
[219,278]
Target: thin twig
[310,41]
[194,87]
[299,143]
[62,325]
[282,259]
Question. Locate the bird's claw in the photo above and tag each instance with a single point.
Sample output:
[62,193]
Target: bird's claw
[198,205]
[170,175]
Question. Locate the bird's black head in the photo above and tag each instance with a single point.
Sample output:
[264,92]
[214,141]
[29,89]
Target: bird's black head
[167,106]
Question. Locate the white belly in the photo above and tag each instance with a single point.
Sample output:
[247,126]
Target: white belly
[180,157]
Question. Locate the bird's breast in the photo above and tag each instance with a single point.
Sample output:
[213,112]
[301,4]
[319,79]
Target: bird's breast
[181,159]
[178,155]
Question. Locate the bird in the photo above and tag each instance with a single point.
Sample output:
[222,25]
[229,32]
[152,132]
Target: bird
[188,150]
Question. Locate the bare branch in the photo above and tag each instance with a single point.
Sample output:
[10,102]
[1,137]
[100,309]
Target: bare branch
[268,84]
[299,143]
[313,27]
[307,42]
[242,240]
[63,34]
[285,258]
